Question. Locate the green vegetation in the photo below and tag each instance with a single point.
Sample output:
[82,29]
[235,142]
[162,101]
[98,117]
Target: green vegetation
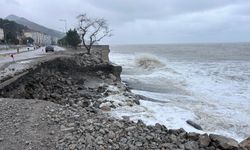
[72,39]
[62,41]
[12,30]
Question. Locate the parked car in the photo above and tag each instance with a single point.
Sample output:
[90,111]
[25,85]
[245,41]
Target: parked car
[49,49]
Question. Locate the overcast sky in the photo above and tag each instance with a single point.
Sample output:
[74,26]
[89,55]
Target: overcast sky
[145,21]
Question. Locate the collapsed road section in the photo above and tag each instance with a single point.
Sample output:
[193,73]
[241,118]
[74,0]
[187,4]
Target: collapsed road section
[76,80]
[57,104]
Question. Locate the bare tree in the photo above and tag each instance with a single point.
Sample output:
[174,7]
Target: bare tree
[92,30]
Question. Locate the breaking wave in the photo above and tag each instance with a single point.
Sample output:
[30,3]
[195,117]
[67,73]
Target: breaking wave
[148,61]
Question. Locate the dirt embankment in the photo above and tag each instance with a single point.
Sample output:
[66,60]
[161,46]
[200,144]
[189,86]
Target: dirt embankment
[75,80]
[69,113]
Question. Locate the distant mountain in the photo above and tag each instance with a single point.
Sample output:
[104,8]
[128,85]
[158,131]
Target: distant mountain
[34,26]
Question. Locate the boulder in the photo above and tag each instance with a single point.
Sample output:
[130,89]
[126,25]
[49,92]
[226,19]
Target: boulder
[116,71]
[113,77]
[224,142]
[191,145]
[127,118]
[204,140]
[193,136]
[245,144]
[85,103]
[176,131]
[105,106]
[136,101]
[193,124]
[111,135]
[102,88]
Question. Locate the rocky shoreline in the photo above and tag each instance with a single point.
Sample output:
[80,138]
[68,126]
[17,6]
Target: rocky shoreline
[59,104]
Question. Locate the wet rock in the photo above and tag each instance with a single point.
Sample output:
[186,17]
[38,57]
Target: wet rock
[118,124]
[176,131]
[91,109]
[204,140]
[224,142]
[245,144]
[112,77]
[105,106]
[141,123]
[193,136]
[126,118]
[79,123]
[136,101]
[158,126]
[183,135]
[173,138]
[193,124]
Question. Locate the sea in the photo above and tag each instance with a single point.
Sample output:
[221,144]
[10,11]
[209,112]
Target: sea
[206,83]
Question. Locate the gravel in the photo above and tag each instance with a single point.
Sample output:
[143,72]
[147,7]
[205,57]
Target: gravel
[73,93]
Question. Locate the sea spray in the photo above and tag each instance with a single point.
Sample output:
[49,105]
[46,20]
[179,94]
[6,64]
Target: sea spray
[148,62]
[215,81]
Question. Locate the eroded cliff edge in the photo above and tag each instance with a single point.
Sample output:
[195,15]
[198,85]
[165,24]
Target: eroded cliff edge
[60,103]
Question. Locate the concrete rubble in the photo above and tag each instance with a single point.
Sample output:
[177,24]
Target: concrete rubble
[61,104]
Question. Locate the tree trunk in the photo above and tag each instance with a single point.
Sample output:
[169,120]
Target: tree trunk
[88,50]
[88,47]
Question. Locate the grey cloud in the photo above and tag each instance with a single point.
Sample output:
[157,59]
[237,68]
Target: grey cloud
[216,25]
[14,2]
[151,9]
[146,21]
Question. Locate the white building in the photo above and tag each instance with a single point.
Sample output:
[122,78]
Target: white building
[1,34]
[54,40]
[39,38]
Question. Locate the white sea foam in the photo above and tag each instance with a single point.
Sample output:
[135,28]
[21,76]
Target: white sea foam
[215,94]
[148,61]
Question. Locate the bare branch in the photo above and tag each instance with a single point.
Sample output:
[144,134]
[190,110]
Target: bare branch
[92,30]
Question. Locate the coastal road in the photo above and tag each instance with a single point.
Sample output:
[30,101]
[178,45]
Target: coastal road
[8,66]
[14,50]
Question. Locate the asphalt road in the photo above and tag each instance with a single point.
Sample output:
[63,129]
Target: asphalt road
[9,65]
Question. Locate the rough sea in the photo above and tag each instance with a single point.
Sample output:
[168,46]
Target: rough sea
[206,83]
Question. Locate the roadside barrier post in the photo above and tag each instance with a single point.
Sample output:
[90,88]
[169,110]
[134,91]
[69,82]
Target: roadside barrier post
[12,56]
